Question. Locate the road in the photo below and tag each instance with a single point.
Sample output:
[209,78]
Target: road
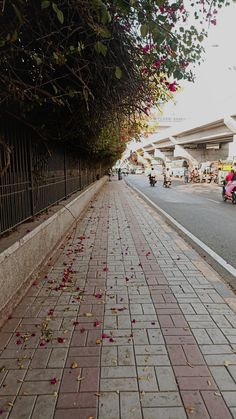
[200,209]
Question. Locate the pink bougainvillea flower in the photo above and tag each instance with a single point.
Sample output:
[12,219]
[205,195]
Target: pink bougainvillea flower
[33,334]
[133,321]
[75,323]
[19,342]
[121,309]
[82,330]
[43,342]
[111,340]
[50,312]
[98,295]
[148,253]
[18,334]
[96,323]
[53,380]
[105,336]
[60,340]
[127,279]
[106,269]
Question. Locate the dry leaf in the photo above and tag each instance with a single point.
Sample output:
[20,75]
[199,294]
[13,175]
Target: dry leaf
[88,314]
[209,382]
[98,341]
[79,378]
[227,363]
[74,365]
[190,409]
[217,394]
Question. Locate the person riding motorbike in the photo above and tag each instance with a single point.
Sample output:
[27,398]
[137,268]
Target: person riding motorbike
[152,177]
[166,178]
[229,186]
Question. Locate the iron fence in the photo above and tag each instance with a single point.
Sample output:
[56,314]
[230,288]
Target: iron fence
[39,176]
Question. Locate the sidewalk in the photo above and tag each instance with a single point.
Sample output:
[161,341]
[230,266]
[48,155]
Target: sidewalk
[129,323]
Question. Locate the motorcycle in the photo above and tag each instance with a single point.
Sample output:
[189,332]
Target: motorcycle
[167,183]
[152,181]
[229,192]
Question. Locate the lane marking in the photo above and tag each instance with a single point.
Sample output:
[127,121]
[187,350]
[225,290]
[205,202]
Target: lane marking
[202,245]
[212,200]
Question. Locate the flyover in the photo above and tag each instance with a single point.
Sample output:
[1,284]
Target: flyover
[209,140]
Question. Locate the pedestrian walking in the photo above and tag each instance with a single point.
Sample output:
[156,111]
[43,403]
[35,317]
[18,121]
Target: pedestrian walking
[186,175]
[119,174]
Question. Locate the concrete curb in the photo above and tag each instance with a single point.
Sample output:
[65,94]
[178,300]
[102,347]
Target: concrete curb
[23,258]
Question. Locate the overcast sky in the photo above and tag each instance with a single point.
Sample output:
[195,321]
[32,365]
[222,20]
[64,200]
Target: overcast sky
[214,91]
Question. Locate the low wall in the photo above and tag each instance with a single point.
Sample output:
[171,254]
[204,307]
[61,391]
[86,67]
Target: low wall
[19,261]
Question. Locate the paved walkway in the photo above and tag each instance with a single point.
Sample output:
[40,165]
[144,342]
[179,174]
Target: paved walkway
[129,323]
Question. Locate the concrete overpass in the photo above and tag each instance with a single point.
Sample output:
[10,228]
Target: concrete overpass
[207,141]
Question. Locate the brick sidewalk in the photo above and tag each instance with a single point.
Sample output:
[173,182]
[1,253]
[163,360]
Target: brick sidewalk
[129,323]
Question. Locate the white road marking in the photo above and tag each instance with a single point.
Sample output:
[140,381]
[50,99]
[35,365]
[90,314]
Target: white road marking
[202,245]
[212,200]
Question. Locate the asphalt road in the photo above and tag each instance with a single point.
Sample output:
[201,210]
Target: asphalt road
[200,209]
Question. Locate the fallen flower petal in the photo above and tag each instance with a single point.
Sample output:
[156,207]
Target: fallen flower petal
[60,340]
[105,336]
[53,381]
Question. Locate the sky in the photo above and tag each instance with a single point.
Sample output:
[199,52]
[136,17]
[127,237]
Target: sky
[213,93]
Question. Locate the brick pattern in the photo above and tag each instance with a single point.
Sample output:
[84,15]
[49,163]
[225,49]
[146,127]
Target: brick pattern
[128,322]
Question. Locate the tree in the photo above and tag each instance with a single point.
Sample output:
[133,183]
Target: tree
[72,69]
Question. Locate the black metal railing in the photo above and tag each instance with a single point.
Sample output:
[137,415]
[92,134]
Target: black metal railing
[39,176]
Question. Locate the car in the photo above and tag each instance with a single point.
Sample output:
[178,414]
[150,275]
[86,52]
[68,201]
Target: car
[139,171]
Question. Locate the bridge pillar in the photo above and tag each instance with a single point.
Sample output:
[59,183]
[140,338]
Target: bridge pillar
[181,152]
[232,148]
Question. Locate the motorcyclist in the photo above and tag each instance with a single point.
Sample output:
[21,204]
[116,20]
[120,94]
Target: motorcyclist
[166,176]
[152,175]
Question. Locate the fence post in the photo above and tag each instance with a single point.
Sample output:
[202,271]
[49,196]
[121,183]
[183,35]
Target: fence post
[65,175]
[31,178]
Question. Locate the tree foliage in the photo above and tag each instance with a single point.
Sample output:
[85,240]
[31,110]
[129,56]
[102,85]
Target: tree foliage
[84,71]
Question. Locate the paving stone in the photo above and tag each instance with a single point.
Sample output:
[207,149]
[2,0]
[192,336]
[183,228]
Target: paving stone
[161,399]
[215,405]
[130,405]
[118,384]
[194,405]
[109,405]
[223,379]
[23,407]
[147,379]
[166,379]
[44,407]
[164,413]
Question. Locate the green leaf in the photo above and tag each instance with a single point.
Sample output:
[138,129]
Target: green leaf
[160,2]
[144,30]
[60,16]
[55,8]
[103,31]
[101,48]
[118,73]
[45,4]
[18,14]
